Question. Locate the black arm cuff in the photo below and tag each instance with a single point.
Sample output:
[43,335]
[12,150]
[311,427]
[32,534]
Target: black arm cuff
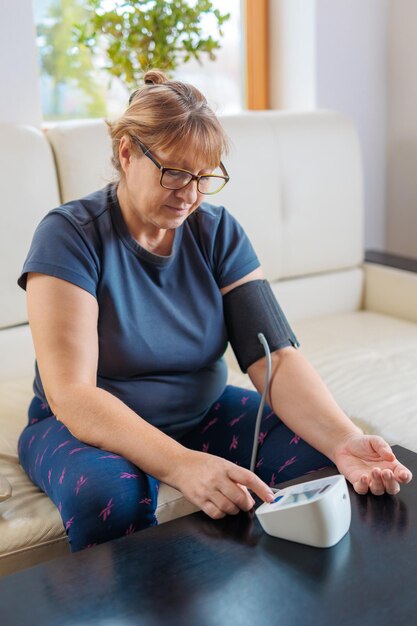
[250,309]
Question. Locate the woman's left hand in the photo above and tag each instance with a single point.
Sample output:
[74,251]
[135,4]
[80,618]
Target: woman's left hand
[368,462]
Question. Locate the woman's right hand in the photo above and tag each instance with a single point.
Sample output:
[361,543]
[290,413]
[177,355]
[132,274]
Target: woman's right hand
[217,486]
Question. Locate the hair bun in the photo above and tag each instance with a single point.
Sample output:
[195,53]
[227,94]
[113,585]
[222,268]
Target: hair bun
[155,77]
[151,77]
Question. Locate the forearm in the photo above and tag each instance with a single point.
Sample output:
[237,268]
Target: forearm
[99,419]
[301,399]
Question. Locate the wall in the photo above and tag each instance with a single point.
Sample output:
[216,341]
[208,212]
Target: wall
[19,101]
[351,53]
[402,129]
[292,40]
[341,45]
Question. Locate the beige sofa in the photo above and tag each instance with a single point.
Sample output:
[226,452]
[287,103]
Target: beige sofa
[296,185]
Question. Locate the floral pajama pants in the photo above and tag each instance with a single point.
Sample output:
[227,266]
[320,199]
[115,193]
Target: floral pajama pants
[101,495]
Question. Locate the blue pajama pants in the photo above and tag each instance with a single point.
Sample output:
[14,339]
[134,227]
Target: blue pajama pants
[101,495]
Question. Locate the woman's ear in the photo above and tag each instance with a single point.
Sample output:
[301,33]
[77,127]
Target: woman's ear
[125,152]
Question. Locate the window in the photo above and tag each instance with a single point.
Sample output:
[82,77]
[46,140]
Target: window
[85,90]
[222,81]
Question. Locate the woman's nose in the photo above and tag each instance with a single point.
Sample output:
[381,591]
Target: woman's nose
[189,193]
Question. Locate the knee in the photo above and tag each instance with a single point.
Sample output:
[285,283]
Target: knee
[95,510]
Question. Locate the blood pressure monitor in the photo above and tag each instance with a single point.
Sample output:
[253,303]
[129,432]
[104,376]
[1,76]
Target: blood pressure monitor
[316,513]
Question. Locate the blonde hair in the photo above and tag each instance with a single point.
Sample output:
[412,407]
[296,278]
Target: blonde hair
[166,114]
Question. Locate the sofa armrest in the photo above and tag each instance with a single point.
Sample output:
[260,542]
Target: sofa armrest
[391,285]
[391,260]
[5,488]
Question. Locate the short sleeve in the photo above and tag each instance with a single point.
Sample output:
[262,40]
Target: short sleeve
[59,248]
[234,256]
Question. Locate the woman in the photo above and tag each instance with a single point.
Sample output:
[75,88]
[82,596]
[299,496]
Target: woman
[132,295]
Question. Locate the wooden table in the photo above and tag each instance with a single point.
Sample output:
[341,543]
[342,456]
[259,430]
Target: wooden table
[199,572]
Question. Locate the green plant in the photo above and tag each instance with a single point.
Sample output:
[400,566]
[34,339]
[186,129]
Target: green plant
[137,35]
[65,63]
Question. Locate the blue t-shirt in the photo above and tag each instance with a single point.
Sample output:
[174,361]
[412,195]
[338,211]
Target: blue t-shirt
[161,330]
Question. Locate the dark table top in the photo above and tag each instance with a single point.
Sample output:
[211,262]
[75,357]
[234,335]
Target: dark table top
[195,571]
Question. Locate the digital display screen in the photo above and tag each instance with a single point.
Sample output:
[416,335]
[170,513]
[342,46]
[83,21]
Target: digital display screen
[302,496]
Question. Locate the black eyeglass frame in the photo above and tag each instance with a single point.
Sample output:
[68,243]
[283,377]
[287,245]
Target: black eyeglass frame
[196,177]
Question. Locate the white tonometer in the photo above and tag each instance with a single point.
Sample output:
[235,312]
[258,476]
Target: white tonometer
[316,513]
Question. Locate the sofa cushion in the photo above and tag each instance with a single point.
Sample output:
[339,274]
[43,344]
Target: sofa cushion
[369,362]
[5,489]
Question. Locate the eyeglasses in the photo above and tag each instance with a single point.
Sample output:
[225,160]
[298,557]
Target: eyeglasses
[175,178]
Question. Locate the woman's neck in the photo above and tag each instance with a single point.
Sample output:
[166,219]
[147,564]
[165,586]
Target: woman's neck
[154,239]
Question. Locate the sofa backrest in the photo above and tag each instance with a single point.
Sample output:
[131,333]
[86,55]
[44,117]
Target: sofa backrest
[82,151]
[28,190]
[296,187]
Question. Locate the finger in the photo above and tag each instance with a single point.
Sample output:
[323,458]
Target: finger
[224,505]
[390,483]
[239,495]
[377,486]
[382,448]
[246,491]
[251,481]
[212,510]
[362,485]
[402,474]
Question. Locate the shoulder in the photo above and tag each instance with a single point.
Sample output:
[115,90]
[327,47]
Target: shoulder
[86,221]
[211,220]
[211,226]
[207,213]
[78,227]
[68,242]
[223,242]
[87,211]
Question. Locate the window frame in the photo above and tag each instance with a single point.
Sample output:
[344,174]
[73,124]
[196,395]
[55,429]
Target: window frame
[256,14]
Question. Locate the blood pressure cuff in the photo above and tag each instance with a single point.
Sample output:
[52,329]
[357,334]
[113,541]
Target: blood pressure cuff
[250,309]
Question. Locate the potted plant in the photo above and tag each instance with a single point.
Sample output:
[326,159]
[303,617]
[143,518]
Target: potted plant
[136,35]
